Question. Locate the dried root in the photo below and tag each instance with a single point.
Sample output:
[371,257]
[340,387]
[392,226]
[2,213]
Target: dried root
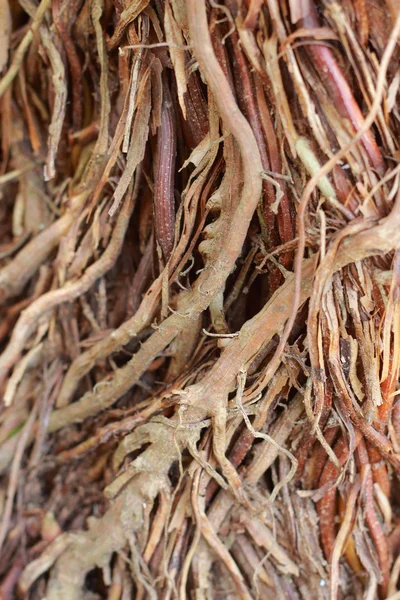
[199,285]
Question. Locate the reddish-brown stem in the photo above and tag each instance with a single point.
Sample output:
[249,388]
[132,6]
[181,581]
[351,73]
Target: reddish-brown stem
[326,507]
[86,135]
[8,585]
[220,50]
[164,201]
[318,459]
[195,126]
[337,85]
[74,65]
[248,104]
[344,190]
[284,218]
[309,438]
[374,526]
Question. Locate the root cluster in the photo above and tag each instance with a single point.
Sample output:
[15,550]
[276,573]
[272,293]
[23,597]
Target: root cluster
[200,299]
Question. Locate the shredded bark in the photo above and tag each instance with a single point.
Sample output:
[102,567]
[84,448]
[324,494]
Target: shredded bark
[200,299]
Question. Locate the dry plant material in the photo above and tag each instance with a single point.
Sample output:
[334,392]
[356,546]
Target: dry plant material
[5,32]
[200,299]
